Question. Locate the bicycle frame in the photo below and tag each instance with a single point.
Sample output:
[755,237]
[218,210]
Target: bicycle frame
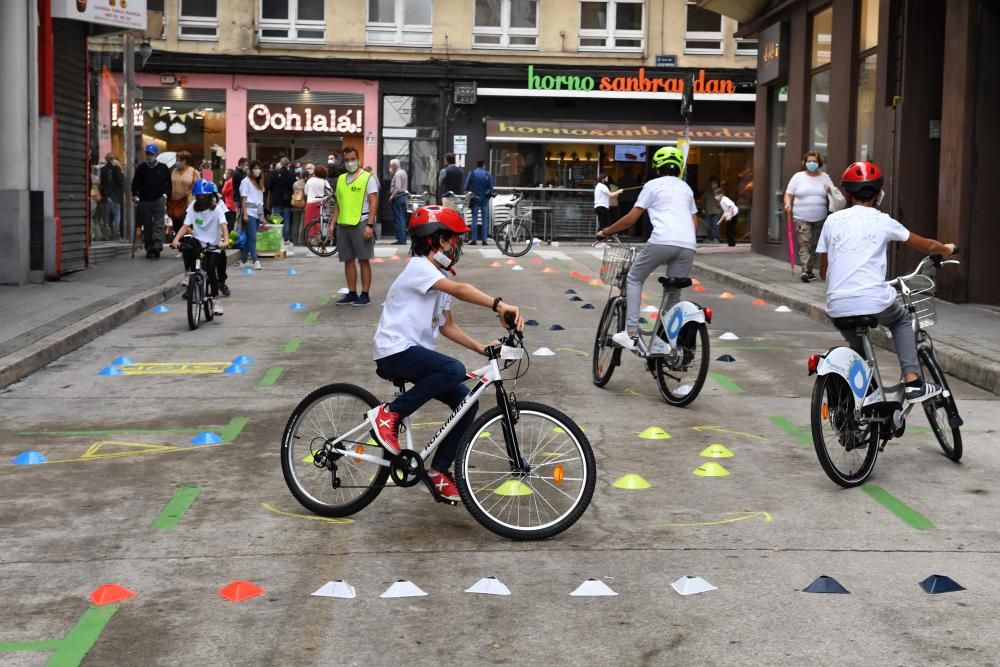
[680,314]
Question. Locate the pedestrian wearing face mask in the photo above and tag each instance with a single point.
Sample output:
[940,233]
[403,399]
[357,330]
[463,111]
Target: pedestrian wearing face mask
[806,201]
[252,197]
[728,216]
[150,187]
[604,199]
[356,209]
[182,178]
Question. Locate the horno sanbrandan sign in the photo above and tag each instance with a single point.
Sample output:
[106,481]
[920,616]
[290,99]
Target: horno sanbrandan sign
[306,118]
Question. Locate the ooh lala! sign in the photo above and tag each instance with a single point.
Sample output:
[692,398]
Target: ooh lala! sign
[300,118]
[640,83]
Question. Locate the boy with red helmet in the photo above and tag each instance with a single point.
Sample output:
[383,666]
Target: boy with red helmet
[418,308]
[853,246]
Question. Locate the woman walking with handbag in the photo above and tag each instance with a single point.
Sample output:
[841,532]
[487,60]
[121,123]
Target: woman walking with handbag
[252,196]
[806,201]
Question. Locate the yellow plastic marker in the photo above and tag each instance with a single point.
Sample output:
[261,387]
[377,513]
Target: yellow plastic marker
[308,459]
[654,433]
[485,434]
[513,487]
[710,469]
[631,482]
[716,451]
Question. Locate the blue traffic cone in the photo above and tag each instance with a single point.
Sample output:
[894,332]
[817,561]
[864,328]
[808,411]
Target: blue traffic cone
[206,438]
[30,457]
[243,360]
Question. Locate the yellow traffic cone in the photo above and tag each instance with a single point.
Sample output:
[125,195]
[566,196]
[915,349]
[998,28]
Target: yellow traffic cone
[710,469]
[631,482]
[716,451]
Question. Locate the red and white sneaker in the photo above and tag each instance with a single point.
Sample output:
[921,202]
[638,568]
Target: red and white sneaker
[445,485]
[385,424]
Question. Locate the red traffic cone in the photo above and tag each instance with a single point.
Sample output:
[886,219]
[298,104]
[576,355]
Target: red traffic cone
[110,593]
[238,591]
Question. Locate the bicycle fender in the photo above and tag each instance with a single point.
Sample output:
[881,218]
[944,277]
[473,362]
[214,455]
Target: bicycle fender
[848,364]
[675,318]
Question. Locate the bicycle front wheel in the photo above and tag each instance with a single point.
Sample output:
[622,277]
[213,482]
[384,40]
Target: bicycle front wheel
[846,451]
[941,410]
[526,506]
[318,241]
[681,377]
[324,482]
[607,356]
[195,295]
[514,238]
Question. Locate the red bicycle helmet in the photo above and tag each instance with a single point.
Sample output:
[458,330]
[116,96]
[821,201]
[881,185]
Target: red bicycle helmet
[427,220]
[862,176]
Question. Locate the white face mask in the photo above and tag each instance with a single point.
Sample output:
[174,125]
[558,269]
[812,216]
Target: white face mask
[351,165]
[256,173]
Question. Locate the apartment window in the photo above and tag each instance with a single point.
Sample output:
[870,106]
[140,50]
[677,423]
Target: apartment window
[400,22]
[199,19]
[616,24]
[703,31]
[157,7]
[864,75]
[821,27]
[744,46]
[505,24]
[292,20]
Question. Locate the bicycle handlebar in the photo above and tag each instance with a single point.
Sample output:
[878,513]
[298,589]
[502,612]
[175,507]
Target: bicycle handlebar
[936,260]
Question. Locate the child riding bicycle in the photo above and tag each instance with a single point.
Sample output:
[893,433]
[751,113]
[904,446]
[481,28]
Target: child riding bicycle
[206,220]
[672,209]
[852,249]
[418,308]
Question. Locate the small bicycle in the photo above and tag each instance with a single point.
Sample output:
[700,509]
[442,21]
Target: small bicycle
[196,294]
[676,349]
[524,470]
[854,414]
[514,236]
[319,234]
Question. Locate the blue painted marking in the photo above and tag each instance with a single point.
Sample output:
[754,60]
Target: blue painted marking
[674,326]
[858,378]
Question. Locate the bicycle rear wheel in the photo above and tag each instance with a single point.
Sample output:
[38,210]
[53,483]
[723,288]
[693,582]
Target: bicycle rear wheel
[941,410]
[327,483]
[681,377]
[845,450]
[533,506]
[195,294]
[318,241]
[607,356]
[513,238]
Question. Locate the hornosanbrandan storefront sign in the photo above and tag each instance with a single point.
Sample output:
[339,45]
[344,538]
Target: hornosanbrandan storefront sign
[616,132]
[639,82]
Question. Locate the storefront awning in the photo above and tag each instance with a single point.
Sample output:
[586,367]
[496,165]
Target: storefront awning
[743,11]
[578,132]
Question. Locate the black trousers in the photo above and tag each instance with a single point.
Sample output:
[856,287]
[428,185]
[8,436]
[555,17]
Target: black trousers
[210,263]
[603,216]
[731,230]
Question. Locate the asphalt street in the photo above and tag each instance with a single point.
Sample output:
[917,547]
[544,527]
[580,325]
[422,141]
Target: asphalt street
[126,498]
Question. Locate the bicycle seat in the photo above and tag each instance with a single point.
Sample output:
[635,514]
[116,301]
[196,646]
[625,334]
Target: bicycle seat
[855,322]
[675,283]
[399,382]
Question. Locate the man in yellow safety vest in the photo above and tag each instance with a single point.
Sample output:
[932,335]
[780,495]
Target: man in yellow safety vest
[355,209]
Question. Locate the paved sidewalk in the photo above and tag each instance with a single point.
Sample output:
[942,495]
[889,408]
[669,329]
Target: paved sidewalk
[42,322]
[966,336]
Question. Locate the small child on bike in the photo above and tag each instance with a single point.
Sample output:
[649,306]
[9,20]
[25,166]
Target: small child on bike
[852,249]
[672,209]
[206,220]
[418,308]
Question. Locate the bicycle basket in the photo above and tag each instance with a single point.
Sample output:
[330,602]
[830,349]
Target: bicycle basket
[921,297]
[617,261]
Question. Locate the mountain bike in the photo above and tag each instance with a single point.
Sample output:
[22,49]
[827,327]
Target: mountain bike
[676,349]
[514,236]
[854,414]
[320,235]
[524,470]
[196,295]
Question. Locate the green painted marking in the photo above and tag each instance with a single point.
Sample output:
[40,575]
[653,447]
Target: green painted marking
[903,512]
[175,509]
[799,434]
[726,383]
[293,345]
[311,318]
[233,428]
[47,645]
[323,300]
[271,376]
[77,644]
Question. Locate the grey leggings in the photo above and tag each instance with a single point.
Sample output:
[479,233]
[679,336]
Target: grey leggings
[898,321]
[678,261]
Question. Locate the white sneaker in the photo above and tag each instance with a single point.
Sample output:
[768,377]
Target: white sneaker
[288,251]
[243,265]
[623,340]
[217,307]
[256,265]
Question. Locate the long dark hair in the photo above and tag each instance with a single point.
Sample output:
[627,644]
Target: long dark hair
[257,181]
[204,202]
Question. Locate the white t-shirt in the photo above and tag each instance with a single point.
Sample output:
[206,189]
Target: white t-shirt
[414,312]
[809,202]
[255,198]
[670,203]
[316,188]
[729,209]
[602,196]
[205,225]
[855,242]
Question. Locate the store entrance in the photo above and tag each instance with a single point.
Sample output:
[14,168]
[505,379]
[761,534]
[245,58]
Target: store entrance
[267,148]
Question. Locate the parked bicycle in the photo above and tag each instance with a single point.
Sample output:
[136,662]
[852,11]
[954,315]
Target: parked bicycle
[415,201]
[196,295]
[854,414]
[514,236]
[525,470]
[676,349]
[320,234]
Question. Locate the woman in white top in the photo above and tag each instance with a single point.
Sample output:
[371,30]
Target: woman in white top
[806,202]
[603,200]
[252,195]
[317,187]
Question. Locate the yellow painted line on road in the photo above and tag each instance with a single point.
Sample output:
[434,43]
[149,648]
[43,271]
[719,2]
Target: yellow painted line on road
[173,368]
[719,429]
[766,516]
[311,517]
[570,349]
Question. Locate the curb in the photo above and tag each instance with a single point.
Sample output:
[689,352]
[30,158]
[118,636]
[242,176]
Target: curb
[963,364]
[22,363]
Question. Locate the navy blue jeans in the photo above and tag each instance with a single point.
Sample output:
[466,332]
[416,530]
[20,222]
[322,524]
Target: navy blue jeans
[286,220]
[434,375]
[399,217]
[480,211]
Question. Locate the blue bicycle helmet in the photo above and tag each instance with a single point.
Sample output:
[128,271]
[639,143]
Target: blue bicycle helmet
[203,187]
[151,149]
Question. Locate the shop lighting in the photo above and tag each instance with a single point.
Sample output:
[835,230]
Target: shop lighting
[305,85]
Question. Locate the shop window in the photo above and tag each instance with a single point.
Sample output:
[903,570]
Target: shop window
[703,31]
[864,122]
[615,24]
[199,19]
[819,110]
[505,24]
[778,107]
[868,25]
[180,125]
[822,37]
[745,46]
[157,7]
[400,22]
[292,20]
[410,134]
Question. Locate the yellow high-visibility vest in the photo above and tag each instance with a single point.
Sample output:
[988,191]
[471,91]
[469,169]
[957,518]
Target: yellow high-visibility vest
[351,198]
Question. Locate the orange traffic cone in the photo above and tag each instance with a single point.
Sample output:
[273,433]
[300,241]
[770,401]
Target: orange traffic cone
[238,591]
